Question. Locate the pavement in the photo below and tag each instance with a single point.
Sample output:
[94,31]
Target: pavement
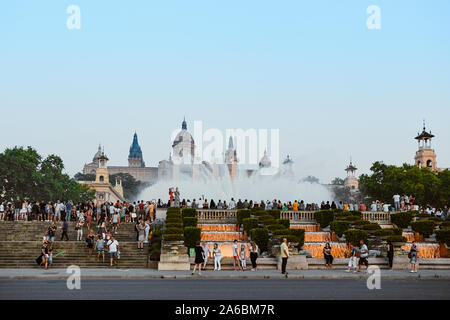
[115,273]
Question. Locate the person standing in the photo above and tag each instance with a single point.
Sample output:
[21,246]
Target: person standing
[90,239]
[243,257]
[217,254]
[413,257]
[328,256]
[51,233]
[353,258]
[396,198]
[364,255]
[65,230]
[100,245]
[390,253]
[206,254]
[141,235]
[236,256]
[79,228]
[284,256]
[198,259]
[253,255]
[113,246]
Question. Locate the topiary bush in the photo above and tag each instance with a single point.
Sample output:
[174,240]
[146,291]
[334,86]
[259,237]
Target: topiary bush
[191,236]
[396,238]
[371,227]
[173,230]
[397,231]
[189,212]
[359,222]
[339,227]
[424,227]
[401,219]
[299,234]
[324,217]
[275,213]
[249,224]
[258,211]
[261,237]
[383,232]
[275,226]
[266,220]
[155,244]
[173,210]
[443,236]
[285,222]
[355,236]
[242,214]
[173,237]
[190,222]
[445,225]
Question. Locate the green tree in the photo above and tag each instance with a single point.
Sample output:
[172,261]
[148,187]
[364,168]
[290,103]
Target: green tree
[131,187]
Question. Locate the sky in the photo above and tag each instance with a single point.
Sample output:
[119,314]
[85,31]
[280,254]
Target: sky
[312,69]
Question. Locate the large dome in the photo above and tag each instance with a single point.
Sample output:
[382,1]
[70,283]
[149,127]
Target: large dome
[183,145]
[265,161]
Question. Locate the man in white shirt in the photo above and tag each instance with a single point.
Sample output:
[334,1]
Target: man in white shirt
[113,246]
[232,204]
[373,207]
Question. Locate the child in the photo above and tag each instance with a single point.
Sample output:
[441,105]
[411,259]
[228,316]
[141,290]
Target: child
[353,258]
[243,258]
[50,257]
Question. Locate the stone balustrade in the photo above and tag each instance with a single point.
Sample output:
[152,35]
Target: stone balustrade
[208,215]
[298,216]
[378,217]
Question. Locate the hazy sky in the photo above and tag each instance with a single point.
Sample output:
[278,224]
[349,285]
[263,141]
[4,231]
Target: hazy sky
[312,69]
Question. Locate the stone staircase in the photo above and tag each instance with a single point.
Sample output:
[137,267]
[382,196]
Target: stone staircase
[20,244]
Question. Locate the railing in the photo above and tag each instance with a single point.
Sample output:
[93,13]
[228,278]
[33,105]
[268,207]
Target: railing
[298,216]
[379,217]
[217,215]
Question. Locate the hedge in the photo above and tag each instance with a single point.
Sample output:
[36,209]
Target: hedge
[266,220]
[355,236]
[242,214]
[192,235]
[275,226]
[189,212]
[173,215]
[173,237]
[258,211]
[174,220]
[339,227]
[249,224]
[397,231]
[155,244]
[424,227]
[402,219]
[360,222]
[275,213]
[173,230]
[324,217]
[396,238]
[383,232]
[371,227]
[173,209]
[190,222]
[261,237]
[286,223]
[443,236]
[299,234]
[280,232]
[445,224]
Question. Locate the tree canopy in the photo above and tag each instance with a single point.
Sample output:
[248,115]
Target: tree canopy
[24,173]
[426,186]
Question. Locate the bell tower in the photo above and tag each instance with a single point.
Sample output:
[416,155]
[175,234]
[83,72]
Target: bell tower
[425,155]
[102,174]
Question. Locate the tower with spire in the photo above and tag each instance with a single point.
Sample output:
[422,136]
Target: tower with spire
[135,158]
[425,155]
[351,181]
[231,159]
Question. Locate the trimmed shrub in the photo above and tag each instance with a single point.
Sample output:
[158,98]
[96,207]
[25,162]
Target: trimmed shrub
[396,238]
[351,218]
[249,224]
[397,231]
[190,222]
[173,231]
[173,215]
[324,217]
[191,236]
[173,220]
[285,222]
[261,237]
[423,215]
[355,236]
[445,224]
[175,225]
[360,222]
[443,236]
[402,219]
[436,220]
[173,209]
[275,213]
[266,220]
[276,226]
[371,227]
[289,237]
[155,244]
[258,211]
[383,232]
[189,212]
[173,237]
[339,227]
[299,234]
[242,214]
[424,227]
[280,232]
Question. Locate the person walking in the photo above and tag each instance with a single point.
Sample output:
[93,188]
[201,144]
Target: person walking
[413,257]
[217,254]
[364,256]
[390,253]
[141,235]
[100,245]
[90,240]
[254,255]
[328,256]
[198,259]
[353,259]
[236,262]
[65,230]
[284,256]
[79,227]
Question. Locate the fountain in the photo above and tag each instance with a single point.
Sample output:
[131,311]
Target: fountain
[426,250]
[338,249]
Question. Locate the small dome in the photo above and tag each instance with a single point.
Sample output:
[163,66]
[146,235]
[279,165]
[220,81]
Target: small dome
[98,154]
[265,161]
